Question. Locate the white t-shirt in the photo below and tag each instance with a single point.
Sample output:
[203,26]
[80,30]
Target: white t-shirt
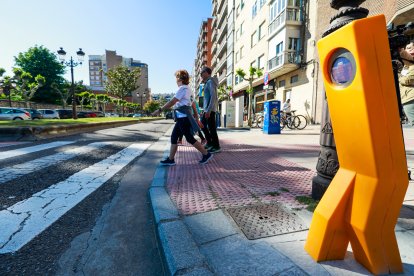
[286,107]
[183,95]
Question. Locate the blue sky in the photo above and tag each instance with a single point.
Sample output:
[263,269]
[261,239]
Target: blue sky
[161,33]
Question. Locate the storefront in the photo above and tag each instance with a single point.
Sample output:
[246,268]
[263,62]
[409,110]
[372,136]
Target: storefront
[262,95]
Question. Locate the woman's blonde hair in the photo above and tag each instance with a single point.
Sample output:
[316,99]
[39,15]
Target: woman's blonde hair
[183,76]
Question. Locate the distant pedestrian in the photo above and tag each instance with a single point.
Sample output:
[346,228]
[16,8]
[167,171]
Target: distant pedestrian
[406,80]
[209,110]
[184,121]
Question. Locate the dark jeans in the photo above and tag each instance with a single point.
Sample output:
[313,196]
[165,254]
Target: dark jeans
[210,130]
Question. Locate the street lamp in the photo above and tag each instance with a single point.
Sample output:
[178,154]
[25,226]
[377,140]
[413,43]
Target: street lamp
[72,64]
[143,95]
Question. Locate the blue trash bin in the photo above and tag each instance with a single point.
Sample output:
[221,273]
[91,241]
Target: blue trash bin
[271,122]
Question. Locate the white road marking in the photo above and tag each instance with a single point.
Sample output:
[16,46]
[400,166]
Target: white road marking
[22,151]
[9,173]
[23,221]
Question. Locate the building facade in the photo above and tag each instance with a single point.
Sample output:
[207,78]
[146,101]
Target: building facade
[204,46]
[100,64]
[219,40]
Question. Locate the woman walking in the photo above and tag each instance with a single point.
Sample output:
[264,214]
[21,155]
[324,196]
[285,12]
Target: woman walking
[185,123]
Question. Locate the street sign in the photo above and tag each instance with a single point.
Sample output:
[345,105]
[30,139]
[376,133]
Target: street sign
[266,78]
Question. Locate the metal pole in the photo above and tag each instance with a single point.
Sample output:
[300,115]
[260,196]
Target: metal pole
[74,113]
[328,164]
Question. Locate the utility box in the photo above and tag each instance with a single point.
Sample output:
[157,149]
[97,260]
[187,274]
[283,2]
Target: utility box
[228,111]
[271,123]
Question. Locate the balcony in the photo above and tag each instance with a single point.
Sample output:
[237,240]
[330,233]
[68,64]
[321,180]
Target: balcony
[223,77]
[221,4]
[221,64]
[222,17]
[223,46]
[214,50]
[288,16]
[222,32]
[284,62]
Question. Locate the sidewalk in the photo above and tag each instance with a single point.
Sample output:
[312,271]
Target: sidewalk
[196,208]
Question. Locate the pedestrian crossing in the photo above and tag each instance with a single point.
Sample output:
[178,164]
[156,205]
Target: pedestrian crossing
[26,219]
[27,150]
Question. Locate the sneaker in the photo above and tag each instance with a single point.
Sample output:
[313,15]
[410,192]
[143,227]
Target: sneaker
[205,159]
[214,149]
[167,162]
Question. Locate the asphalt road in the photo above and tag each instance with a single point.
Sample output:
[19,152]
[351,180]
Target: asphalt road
[78,205]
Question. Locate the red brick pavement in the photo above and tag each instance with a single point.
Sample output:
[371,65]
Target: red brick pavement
[240,175]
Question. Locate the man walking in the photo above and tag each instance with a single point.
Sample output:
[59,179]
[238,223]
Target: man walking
[210,108]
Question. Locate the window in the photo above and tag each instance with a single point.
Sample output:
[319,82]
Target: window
[294,79]
[294,3]
[237,34]
[254,9]
[262,2]
[241,52]
[238,10]
[254,39]
[241,28]
[237,56]
[294,44]
[279,48]
[241,4]
[261,30]
[261,62]
[253,64]
[282,83]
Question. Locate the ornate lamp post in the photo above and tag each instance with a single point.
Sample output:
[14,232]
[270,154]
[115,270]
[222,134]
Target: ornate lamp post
[72,64]
[328,165]
[143,95]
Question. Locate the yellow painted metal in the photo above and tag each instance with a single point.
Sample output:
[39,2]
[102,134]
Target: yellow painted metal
[362,203]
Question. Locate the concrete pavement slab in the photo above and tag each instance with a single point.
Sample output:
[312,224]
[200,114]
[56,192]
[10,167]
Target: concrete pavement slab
[210,226]
[235,255]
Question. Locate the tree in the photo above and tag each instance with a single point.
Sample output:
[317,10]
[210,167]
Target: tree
[151,106]
[254,73]
[39,60]
[63,91]
[102,100]
[224,93]
[26,86]
[122,81]
[83,96]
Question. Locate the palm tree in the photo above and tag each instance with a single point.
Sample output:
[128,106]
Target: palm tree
[254,73]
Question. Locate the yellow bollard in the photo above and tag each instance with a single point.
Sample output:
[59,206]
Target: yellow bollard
[362,203]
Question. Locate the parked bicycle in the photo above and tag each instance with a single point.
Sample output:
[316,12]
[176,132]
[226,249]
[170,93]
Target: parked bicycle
[258,120]
[293,121]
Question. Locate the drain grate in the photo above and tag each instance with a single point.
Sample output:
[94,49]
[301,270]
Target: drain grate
[261,221]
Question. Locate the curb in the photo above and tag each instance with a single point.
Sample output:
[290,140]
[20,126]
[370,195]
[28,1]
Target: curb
[40,132]
[180,251]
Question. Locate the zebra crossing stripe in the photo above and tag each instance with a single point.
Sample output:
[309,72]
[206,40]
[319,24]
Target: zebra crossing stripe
[10,173]
[26,219]
[22,151]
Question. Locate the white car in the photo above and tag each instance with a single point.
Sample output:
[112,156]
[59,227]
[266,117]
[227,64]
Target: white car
[49,114]
[11,113]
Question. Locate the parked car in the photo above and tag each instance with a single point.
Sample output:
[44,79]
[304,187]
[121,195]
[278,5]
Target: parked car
[11,113]
[34,113]
[111,114]
[86,114]
[130,115]
[99,114]
[168,115]
[49,113]
[137,115]
[65,113]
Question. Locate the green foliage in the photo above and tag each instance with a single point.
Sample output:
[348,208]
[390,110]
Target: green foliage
[39,60]
[224,93]
[312,204]
[151,106]
[122,81]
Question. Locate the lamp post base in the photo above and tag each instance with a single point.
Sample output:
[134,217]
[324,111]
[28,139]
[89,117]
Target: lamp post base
[326,168]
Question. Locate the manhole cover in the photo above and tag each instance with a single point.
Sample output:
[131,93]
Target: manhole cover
[263,221]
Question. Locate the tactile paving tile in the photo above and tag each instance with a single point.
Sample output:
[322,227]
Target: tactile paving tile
[260,221]
[238,176]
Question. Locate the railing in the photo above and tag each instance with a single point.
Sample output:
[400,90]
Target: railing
[290,14]
[284,58]
[222,46]
[221,63]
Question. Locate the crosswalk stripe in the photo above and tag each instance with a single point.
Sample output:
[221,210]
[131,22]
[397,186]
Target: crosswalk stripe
[22,151]
[9,173]
[26,219]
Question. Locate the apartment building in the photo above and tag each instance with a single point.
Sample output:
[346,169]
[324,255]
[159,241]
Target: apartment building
[100,64]
[277,37]
[219,40]
[204,56]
